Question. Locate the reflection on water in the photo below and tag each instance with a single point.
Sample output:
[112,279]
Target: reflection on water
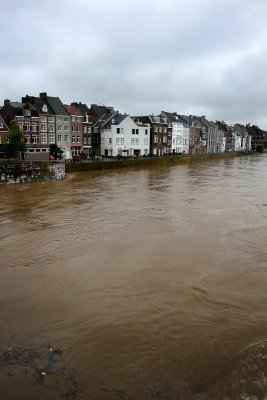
[151,283]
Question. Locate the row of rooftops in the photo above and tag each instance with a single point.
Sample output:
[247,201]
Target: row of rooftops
[101,116]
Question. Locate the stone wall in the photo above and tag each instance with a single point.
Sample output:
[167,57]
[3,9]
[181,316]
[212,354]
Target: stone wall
[18,171]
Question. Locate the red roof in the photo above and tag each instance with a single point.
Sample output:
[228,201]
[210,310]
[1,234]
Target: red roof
[72,110]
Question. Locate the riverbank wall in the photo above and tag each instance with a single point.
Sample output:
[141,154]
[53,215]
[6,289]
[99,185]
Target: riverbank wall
[145,162]
[19,171]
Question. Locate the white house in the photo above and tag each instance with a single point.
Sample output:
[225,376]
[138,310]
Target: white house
[121,136]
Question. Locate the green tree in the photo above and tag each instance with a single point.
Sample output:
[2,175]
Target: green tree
[14,141]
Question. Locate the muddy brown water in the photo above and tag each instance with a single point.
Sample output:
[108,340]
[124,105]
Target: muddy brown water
[136,284]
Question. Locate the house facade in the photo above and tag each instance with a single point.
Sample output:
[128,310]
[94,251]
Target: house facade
[96,113]
[160,134]
[122,136]
[44,121]
[86,129]
[180,132]
[257,137]
[76,129]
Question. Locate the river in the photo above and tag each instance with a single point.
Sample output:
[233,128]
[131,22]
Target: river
[136,284]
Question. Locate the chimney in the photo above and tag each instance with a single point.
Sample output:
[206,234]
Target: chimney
[6,101]
[43,95]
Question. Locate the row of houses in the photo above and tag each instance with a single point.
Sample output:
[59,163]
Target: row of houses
[99,130]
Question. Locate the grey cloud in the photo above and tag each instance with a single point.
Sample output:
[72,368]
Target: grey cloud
[205,57]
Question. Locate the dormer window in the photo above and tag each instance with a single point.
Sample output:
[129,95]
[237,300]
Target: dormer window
[27,113]
[44,109]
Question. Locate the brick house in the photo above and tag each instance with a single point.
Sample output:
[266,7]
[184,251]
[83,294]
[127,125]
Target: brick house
[160,134]
[76,130]
[87,128]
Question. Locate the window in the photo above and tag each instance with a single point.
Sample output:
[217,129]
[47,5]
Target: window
[66,119]
[137,131]
[78,139]
[51,128]
[135,141]
[51,138]
[85,129]
[77,129]
[155,139]
[119,140]
[59,127]
[65,128]
[89,140]
[160,129]
[44,109]
[51,119]
[34,128]
[73,139]
[146,132]
[164,129]
[73,128]
[133,131]
[155,129]
[146,141]
[109,140]
[95,129]
[122,130]
[66,138]
[164,139]
[43,127]
[59,138]
[43,119]
[43,138]
[118,130]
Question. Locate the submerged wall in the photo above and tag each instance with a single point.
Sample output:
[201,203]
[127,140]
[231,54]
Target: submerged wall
[18,171]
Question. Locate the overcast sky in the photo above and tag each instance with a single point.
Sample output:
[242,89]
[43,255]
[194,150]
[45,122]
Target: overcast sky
[201,57]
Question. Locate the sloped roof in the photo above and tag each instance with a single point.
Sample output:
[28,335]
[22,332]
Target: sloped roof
[82,107]
[157,119]
[56,105]
[38,103]
[174,117]
[241,129]
[106,120]
[72,110]
[116,119]
[223,126]
[99,123]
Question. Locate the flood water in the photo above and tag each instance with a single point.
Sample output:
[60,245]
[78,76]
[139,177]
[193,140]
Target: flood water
[136,284]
